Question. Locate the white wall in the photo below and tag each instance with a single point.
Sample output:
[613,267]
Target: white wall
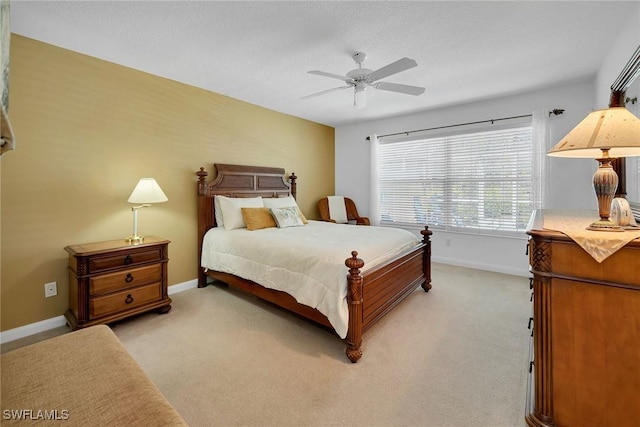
[625,45]
[571,178]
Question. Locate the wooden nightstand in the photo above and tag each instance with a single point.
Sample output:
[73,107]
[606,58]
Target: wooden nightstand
[112,280]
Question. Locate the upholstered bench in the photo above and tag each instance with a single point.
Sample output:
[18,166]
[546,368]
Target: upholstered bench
[84,378]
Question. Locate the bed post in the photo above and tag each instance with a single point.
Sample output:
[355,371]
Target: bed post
[202,222]
[202,177]
[354,299]
[426,260]
[294,185]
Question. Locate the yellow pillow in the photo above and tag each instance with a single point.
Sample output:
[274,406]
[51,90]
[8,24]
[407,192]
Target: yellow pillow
[257,218]
[302,217]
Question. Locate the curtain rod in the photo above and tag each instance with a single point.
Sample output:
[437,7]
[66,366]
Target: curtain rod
[555,111]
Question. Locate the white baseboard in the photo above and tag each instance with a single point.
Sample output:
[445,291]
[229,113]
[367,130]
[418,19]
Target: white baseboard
[31,329]
[481,266]
[190,284]
[56,322]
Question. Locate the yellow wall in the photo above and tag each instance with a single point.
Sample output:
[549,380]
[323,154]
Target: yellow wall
[87,130]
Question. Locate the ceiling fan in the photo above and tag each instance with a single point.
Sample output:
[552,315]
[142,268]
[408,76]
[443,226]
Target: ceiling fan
[361,78]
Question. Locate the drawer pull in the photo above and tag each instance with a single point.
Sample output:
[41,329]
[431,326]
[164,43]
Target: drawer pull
[129,299]
[530,321]
[128,260]
[129,278]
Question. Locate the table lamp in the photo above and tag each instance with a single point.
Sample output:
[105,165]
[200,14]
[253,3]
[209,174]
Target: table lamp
[603,135]
[147,191]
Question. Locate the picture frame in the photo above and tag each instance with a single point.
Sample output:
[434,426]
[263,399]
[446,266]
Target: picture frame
[7,139]
[5,40]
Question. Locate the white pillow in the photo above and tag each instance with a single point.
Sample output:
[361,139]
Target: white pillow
[279,202]
[232,212]
[286,217]
[218,211]
[283,202]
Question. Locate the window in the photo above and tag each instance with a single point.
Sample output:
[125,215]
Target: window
[472,182]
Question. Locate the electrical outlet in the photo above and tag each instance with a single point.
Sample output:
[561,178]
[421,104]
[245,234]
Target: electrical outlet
[447,242]
[50,289]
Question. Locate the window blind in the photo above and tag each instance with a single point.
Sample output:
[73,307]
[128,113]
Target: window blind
[474,181]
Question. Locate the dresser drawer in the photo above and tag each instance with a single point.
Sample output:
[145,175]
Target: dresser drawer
[120,301]
[131,258]
[125,279]
[569,259]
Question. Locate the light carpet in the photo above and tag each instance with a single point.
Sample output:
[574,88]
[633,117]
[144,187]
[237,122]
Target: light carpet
[456,356]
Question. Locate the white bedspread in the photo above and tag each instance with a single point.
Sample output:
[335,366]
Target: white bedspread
[305,262]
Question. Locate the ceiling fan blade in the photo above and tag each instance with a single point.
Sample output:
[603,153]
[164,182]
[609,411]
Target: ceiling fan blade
[393,68]
[395,87]
[313,95]
[333,76]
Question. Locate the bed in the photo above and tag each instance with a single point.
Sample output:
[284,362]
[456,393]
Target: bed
[370,291]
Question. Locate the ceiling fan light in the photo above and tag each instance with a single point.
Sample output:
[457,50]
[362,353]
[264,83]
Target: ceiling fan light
[360,98]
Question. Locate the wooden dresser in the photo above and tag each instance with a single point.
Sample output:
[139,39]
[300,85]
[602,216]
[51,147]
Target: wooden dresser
[586,333]
[112,280]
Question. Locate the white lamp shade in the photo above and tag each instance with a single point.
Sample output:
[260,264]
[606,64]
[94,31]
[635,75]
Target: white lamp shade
[615,129]
[147,191]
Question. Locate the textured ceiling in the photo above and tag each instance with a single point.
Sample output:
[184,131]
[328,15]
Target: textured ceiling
[260,52]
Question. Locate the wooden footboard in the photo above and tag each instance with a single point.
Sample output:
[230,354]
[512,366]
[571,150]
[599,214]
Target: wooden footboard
[374,293]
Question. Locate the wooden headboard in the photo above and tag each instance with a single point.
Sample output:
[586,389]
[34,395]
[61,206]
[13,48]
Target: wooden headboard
[238,181]
[246,181]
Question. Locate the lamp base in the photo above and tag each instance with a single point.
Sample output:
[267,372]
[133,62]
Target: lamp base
[605,183]
[134,239]
[604,225]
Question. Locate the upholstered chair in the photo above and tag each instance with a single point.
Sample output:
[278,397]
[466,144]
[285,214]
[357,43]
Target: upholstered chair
[331,211]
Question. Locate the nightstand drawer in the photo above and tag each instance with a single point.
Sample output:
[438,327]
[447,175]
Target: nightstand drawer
[125,279]
[117,302]
[98,264]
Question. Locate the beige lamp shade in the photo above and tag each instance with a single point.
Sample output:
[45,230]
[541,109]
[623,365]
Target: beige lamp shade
[147,191]
[615,129]
[603,135]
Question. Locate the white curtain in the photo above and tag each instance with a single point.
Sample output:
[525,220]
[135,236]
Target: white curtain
[374,193]
[540,137]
